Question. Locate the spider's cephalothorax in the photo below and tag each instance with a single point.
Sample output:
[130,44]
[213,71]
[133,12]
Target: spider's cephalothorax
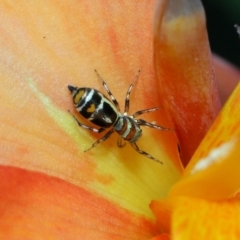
[98,109]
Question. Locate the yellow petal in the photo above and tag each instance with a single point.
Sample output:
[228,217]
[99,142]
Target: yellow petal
[199,219]
[214,169]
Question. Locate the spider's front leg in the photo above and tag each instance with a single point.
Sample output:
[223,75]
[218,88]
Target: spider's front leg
[115,102]
[135,146]
[142,122]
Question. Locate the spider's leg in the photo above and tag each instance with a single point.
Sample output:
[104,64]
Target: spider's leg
[87,127]
[106,136]
[134,145]
[127,99]
[142,122]
[144,111]
[120,143]
[108,91]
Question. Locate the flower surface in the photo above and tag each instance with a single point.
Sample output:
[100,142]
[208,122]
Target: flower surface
[50,188]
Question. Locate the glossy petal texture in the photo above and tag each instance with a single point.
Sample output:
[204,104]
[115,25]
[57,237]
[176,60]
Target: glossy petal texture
[47,45]
[213,172]
[184,70]
[36,206]
[200,219]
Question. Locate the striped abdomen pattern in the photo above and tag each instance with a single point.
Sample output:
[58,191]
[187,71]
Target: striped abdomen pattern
[128,128]
[94,106]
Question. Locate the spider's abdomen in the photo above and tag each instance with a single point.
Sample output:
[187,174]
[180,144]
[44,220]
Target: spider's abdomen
[94,106]
[128,129]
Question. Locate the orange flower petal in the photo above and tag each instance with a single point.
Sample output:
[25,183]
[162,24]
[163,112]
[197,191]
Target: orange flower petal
[163,236]
[214,169]
[47,46]
[200,219]
[162,210]
[36,206]
[184,71]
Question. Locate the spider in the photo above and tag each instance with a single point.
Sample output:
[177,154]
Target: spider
[105,114]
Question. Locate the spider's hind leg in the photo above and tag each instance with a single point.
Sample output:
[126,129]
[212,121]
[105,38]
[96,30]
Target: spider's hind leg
[105,137]
[120,142]
[96,130]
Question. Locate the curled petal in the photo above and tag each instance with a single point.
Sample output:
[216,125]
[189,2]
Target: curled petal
[183,65]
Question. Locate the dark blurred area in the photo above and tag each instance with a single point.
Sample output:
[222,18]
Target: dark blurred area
[221,17]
